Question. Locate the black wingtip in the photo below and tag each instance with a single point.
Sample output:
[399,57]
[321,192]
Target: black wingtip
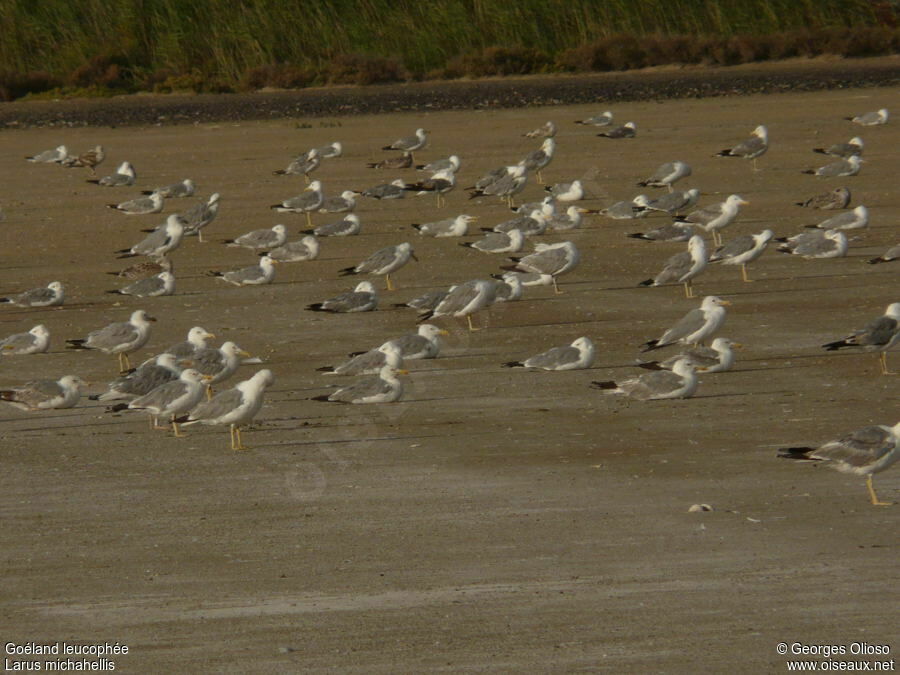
[118,407]
[606,384]
[821,151]
[417,226]
[834,346]
[323,398]
[651,345]
[316,307]
[347,271]
[146,192]
[795,453]
[646,282]
[875,261]
[95,181]
[467,244]
[116,292]
[650,365]
[811,227]
[809,172]
[325,369]
[513,364]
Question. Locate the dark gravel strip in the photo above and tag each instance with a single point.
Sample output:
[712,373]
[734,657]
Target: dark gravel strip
[467,95]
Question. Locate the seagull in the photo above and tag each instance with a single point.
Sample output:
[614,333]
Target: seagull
[423,344]
[306,202]
[330,151]
[385,387]
[45,394]
[124,176]
[261,239]
[753,147]
[879,335]
[508,185]
[743,250]
[893,253]
[492,176]
[91,159]
[670,232]
[343,203]
[553,259]
[368,363]
[570,220]
[50,295]
[680,382]
[624,210]
[425,302]
[347,226]
[716,217]
[509,288]
[404,161]
[601,120]
[440,184]
[183,188]
[449,227]
[254,275]
[145,378]
[548,130]
[35,341]
[393,190]
[409,144]
[695,326]
[235,407]
[55,156]
[577,356]
[144,269]
[296,251]
[464,300]
[159,242]
[141,205]
[627,130]
[151,287]
[863,452]
[833,200]
[450,163]
[172,399]
[511,241]
[534,223]
[856,219]
[200,216]
[843,150]
[682,267]
[302,166]
[716,358]
[567,192]
[539,159]
[363,298]
[383,262]
[667,175]
[196,340]
[118,338]
[839,169]
[218,364]
[671,203]
[815,244]
[870,119]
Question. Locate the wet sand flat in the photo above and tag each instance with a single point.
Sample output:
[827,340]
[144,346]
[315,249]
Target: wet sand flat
[494,519]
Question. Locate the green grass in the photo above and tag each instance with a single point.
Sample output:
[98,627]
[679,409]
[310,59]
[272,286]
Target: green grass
[215,45]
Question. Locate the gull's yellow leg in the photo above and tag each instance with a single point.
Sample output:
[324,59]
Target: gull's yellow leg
[875,500]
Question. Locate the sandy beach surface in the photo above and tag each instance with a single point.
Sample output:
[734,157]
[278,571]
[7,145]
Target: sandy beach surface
[494,520]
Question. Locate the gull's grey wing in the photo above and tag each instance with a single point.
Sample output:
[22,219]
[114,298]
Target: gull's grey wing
[688,324]
[554,358]
[220,405]
[858,448]
[734,248]
[652,384]
[545,262]
[675,268]
[362,389]
[112,335]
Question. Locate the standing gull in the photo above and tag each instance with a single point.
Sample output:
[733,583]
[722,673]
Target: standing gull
[47,296]
[143,379]
[306,202]
[506,186]
[45,394]
[879,335]
[680,382]
[682,267]
[172,399]
[539,159]
[254,275]
[218,364]
[553,259]
[410,143]
[743,250]
[440,184]
[385,387]
[302,166]
[464,300]
[753,147]
[716,217]
[667,175]
[90,159]
[363,298]
[201,215]
[870,119]
[383,262]
[35,341]
[576,356]
[196,340]
[863,452]
[235,407]
[695,326]
[120,338]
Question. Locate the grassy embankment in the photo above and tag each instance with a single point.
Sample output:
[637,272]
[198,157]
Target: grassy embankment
[111,46]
